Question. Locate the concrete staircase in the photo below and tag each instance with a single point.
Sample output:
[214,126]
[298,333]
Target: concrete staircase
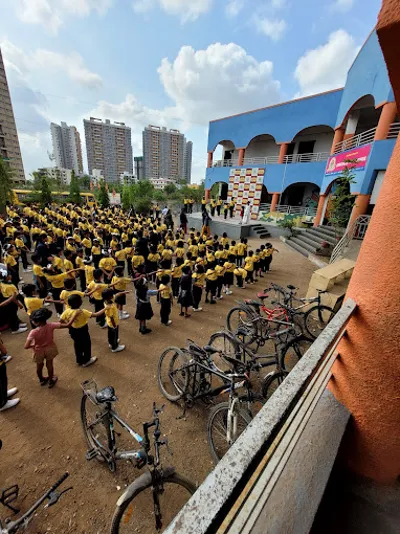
[259,230]
[308,240]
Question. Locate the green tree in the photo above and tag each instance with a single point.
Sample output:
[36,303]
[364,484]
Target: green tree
[126,197]
[45,191]
[103,198]
[6,184]
[142,194]
[74,190]
[342,200]
[84,182]
[170,189]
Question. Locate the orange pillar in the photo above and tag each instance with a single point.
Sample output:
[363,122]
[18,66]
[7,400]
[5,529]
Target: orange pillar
[210,159]
[274,201]
[207,194]
[388,115]
[320,209]
[338,138]
[360,207]
[241,156]
[282,152]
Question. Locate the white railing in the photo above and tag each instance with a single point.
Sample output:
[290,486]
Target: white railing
[261,160]
[365,137]
[306,158]
[241,492]
[291,210]
[294,158]
[225,163]
[356,230]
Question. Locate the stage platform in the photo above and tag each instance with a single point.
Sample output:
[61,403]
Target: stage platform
[232,227]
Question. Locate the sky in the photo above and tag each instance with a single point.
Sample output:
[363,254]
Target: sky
[173,63]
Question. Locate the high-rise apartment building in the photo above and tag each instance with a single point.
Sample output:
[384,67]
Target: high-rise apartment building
[187,162]
[163,153]
[108,147]
[139,167]
[9,144]
[67,148]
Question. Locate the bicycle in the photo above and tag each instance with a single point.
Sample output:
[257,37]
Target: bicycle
[149,487]
[10,494]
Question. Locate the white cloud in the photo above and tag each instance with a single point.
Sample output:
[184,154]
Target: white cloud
[234,7]
[325,67]
[272,28]
[52,13]
[343,5]
[278,4]
[186,10]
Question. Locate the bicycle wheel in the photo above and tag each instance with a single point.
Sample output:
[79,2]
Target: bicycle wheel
[173,373]
[97,431]
[137,510]
[316,320]
[292,352]
[226,344]
[244,320]
[272,382]
[217,428]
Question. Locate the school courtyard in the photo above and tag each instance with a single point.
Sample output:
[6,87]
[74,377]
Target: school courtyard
[43,438]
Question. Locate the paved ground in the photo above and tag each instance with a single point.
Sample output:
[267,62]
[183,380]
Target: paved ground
[42,437]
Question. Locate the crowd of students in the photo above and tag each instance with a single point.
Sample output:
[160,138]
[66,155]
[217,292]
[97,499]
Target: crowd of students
[99,255]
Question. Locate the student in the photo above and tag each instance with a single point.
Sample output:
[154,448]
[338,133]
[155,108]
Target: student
[231,206]
[185,298]
[219,269]
[69,289]
[107,265]
[79,331]
[166,300]
[120,256]
[219,204]
[229,269]
[176,276]
[269,250]
[119,283]
[11,263]
[68,263]
[87,244]
[144,311]
[211,285]
[56,279]
[249,267]
[226,208]
[96,253]
[79,262]
[166,256]
[5,394]
[112,318]
[94,291]
[224,239]
[23,251]
[89,269]
[32,301]
[180,249]
[152,263]
[198,283]
[240,274]
[257,264]
[241,248]
[41,340]
[39,278]
[262,255]
[138,262]
[9,305]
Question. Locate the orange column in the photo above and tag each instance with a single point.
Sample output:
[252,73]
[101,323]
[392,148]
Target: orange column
[274,201]
[360,207]
[282,152]
[210,159]
[338,138]
[320,209]
[388,115]
[207,194]
[241,156]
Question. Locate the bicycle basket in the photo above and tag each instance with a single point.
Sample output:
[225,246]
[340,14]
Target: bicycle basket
[90,389]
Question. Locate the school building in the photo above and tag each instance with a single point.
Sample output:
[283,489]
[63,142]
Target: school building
[299,147]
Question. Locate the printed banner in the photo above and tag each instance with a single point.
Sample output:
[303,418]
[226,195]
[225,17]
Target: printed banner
[245,185]
[337,163]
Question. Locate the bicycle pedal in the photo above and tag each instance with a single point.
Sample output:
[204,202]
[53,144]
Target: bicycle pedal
[91,454]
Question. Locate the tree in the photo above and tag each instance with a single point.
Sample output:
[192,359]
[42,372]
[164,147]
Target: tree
[342,200]
[84,182]
[103,198]
[74,190]
[6,184]
[170,189]
[45,192]
[126,196]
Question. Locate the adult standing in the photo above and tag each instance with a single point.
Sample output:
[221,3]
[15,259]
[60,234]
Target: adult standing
[191,202]
[246,214]
[213,206]
[232,205]
[142,245]
[206,222]
[168,219]
[183,220]
[42,249]
[219,204]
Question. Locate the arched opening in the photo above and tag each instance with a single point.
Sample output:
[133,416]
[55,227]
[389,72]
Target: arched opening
[219,190]
[361,117]
[303,194]
[266,198]
[225,154]
[342,211]
[311,144]
[262,146]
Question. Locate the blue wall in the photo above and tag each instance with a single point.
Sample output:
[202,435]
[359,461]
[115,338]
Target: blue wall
[283,122]
[368,75]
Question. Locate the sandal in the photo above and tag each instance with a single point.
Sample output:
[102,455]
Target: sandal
[44,381]
[53,382]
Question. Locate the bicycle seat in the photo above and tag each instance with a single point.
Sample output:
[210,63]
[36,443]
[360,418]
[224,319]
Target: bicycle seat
[262,295]
[106,394]
[292,288]
[209,349]
[254,302]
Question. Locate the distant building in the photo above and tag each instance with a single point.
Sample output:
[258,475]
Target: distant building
[127,178]
[163,153]
[9,144]
[56,173]
[187,161]
[139,167]
[161,183]
[67,147]
[108,147]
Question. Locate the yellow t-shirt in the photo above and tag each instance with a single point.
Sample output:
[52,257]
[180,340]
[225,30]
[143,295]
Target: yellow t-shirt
[111,313]
[80,321]
[137,260]
[58,262]
[194,249]
[65,294]
[219,254]
[219,270]
[211,275]
[161,273]
[165,291]
[154,258]
[79,262]
[19,243]
[180,252]
[89,273]
[10,261]
[120,282]
[96,251]
[198,279]
[177,271]
[240,247]
[99,289]
[68,265]
[224,241]
[229,267]
[107,264]
[37,270]
[32,304]
[56,280]
[120,255]
[233,250]
[7,290]
[240,272]
[86,243]
[249,264]
[167,254]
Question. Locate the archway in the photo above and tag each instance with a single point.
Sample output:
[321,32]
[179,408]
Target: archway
[266,198]
[262,146]
[310,141]
[304,194]
[361,117]
[219,190]
[225,154]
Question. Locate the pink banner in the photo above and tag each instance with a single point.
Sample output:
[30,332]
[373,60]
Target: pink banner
[337,163]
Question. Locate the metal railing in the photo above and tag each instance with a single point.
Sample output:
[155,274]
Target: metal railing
[356,230]
[294,158]
[291,210]
[306,158]
[365,137]
[235,495]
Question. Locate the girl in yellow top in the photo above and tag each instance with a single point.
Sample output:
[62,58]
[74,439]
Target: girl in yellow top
[269,250]
[12,264]
[112,318]
[138,263]
[94,292]
[56,279]
[119,282]
[211,285]
[96,252]
[180,250]
[240,274]
[176,276]
[241,252]
[152,262]
[166,300]
[249,266]
[166,256]
[199,279]
[107,265]
[229,267]
[219,269]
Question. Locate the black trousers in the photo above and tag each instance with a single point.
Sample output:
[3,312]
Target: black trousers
[3,385]
[175,286]
[197,293]
[24,259]
[212,211]
[82,344]
[220,283]
[42,288]
[165,310]
[113,334]
[239,281]
[56,292]
[231,212]
[99,305]
[268,261]
[239,260]
[219,210]
[96,260]
[82,278]
[225,214]
[249,277]
[108,278]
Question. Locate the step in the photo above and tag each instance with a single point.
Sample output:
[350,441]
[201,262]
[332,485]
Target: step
[333,230]
[303,244]
[328,231]
[265,236]
[322,237]
[311,239]
[297,247]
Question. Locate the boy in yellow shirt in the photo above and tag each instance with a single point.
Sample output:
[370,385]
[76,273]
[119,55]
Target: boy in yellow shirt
[112,319]
[166,300]
[107,266]
[119,283]
[94,291]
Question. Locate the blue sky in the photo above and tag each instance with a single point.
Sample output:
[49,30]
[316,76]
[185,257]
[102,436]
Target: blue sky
[174,63]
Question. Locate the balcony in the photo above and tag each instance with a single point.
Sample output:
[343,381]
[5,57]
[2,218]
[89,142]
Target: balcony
[364,138]
[291,210]
[294,158]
